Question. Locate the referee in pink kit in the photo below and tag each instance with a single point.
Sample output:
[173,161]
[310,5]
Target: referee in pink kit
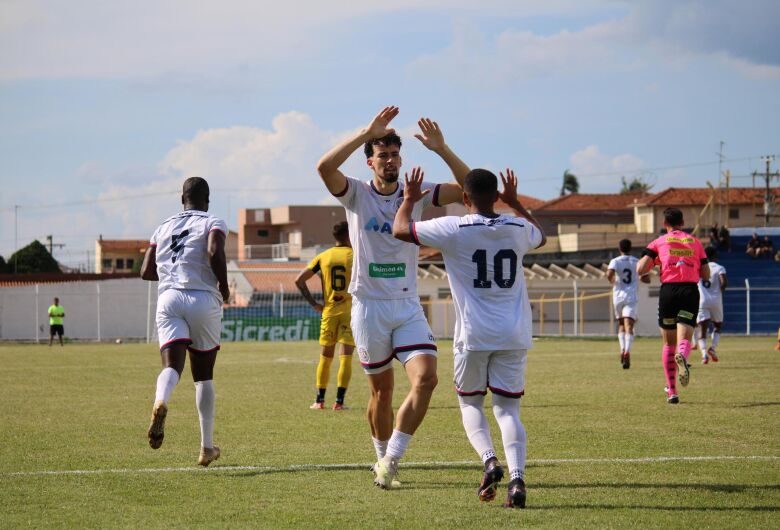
[680,256]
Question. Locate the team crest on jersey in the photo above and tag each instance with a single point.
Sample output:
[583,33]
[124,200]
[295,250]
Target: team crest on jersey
[398,202]
[363,355]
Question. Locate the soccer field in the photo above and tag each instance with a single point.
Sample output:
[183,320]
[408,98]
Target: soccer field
[605,449]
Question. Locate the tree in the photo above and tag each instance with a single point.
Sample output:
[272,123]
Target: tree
[570,183]
[32,258]
[3,266]
[637,184]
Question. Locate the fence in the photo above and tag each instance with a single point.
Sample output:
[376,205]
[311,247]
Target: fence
[276,311]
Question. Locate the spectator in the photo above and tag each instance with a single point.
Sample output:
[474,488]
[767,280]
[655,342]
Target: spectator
[725,238]
[714,238]
[753,246]
[767,248]
[56,314]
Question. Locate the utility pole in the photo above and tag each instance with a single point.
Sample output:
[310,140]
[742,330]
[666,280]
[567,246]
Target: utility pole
[720,177]
[50,240]
[768,197]
[16,235]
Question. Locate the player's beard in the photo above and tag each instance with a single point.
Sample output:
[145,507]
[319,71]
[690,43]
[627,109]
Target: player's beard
[390,176]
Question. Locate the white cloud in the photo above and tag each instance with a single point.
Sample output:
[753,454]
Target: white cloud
[598,172]
[94,38]
[653,32]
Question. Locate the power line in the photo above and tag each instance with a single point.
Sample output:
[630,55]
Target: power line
[651,169]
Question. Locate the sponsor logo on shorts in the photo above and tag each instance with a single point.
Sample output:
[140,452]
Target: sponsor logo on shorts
[387,270]
[684,314]
[363,354]
[669,321]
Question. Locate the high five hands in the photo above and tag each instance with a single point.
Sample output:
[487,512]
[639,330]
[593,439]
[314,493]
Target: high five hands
[413,185]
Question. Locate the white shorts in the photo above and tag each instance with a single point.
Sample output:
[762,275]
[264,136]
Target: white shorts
[502,371]
[387,329]
[711,311]
[625,310]
[189,316]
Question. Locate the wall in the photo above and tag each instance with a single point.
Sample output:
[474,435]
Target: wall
[120,310]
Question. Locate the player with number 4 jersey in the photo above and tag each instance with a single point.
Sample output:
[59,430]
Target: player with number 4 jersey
[483,254]
[186,255]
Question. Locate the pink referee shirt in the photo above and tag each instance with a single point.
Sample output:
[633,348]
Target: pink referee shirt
[680,256]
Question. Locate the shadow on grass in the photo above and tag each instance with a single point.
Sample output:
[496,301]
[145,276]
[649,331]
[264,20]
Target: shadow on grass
[757,404]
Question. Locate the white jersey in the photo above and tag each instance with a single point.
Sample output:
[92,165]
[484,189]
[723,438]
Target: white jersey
[484,261]
[710,291]
[182,251]
[626,279]
[383,267]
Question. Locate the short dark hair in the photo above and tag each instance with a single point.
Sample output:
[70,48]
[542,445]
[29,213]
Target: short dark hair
[340,230]
[712,252]
[480,183]
[195,189]
[387,141]
[673,217]
[625,245]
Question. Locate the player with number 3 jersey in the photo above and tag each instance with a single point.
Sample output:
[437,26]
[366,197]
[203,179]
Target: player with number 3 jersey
[483,254]
[621,273]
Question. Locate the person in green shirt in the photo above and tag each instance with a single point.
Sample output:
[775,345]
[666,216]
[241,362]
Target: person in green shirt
[56,314]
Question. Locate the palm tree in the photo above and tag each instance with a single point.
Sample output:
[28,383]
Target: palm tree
[570,183]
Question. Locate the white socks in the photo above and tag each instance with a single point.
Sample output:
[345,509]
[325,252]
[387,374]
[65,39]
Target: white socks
[166,382]
[396,446]
[475,423]
[204,400]
[629,341]
[715,339]
[703,346]
[380,446]
[622,340]
[507,413]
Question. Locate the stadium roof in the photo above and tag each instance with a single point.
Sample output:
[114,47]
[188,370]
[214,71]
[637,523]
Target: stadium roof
[590,201]
[532,203]
[121,245]
[700,196]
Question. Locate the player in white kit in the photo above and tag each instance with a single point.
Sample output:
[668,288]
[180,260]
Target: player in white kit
[483,254]
[187,255]
[621,273]
[387,319]
[711,306]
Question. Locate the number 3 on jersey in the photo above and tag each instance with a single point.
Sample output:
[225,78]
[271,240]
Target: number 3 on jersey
[627,276]
[480,258]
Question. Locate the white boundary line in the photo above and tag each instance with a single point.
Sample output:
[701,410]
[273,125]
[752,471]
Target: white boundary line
[366,466]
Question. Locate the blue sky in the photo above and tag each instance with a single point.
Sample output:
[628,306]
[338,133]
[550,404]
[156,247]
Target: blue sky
[105,107]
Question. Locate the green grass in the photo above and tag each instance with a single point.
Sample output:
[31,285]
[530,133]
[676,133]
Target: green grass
[86,407]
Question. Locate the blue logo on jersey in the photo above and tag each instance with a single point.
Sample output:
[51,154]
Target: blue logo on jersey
[374,225]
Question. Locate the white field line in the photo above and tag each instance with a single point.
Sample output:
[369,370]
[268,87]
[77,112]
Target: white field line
[366,466]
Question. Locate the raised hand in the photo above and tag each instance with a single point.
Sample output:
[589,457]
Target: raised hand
[509,193]
[431,136]
[413,185]
[379,125]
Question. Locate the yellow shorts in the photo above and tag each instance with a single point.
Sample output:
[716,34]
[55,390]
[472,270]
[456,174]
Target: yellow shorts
[335,329]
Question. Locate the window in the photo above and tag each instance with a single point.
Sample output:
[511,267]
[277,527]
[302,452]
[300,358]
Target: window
[129,263]
[733,213]
[107,263]
[262,233]
[120,263]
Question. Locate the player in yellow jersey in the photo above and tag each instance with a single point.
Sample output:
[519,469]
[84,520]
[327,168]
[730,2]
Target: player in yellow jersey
[335,268]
